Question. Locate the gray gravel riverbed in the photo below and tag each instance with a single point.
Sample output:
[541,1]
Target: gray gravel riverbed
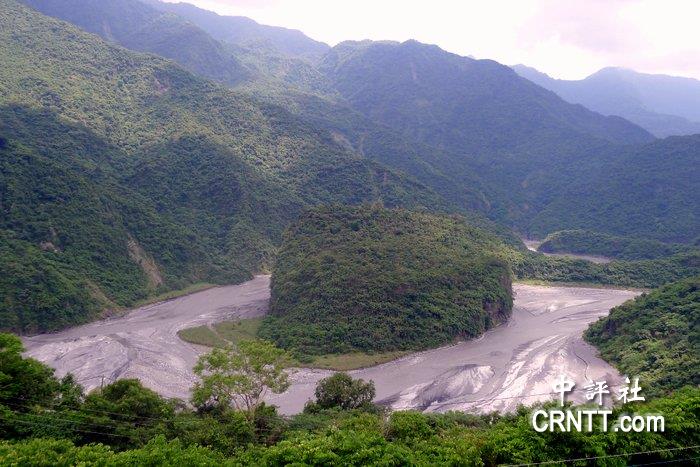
[514,363]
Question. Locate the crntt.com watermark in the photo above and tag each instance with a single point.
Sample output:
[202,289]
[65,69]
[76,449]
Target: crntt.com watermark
[585,419]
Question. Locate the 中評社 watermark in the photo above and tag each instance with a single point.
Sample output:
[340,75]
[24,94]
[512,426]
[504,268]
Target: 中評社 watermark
[587,419]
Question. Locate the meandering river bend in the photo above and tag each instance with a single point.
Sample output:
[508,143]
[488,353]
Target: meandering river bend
[513,364]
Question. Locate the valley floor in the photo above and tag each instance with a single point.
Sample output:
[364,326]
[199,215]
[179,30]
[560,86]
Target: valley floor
[513,364]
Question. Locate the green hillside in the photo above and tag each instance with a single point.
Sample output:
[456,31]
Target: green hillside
[650,191]
[372,279]
[124,175]
[543,164]
[594,243]
[655,337]
[460,103]
[140,27]
[180,33]
[471,130]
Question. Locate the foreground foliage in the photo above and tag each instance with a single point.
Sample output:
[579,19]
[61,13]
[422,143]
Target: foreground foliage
[240,376]
[127,424]
[656,336]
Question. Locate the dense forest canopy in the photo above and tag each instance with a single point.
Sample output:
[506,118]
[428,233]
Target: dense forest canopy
[472,130]
[124,175]
[148,146]
[167,179]
[610,246]
[655,337]
[372,279]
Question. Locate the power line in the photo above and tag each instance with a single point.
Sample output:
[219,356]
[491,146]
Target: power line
[27,422]
[673,461]
[603,457]
[48,416]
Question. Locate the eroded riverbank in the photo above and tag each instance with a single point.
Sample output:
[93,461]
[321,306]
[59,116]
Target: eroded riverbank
[512,364]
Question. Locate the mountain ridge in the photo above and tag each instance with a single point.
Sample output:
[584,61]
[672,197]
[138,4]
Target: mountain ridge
[639,97]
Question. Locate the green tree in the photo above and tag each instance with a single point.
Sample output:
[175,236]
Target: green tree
[240,376]
[24,382]
[343,392]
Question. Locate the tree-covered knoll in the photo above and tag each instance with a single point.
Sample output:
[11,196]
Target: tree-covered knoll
[373,279]
[595,243]
[655,336]
[46,421]
[124,176]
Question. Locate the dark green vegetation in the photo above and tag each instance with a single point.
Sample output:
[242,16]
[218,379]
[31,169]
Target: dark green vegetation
[650,191]
[664,105]
[472,130]
[624,248]
[372,279]
[559,167]
[125,424]
[642,273]
[656,336]
[124,176]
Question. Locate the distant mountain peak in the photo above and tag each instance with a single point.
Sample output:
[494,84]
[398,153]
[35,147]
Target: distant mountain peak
[664,105]
[241,30]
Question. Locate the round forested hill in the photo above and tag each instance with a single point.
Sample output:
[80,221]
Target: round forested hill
[373,279]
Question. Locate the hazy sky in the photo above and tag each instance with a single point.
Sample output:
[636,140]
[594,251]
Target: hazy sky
[564,38]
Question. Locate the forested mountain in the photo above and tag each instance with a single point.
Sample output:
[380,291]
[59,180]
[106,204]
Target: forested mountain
[137,26]
[189,181]
[650,191]
[246,32]
[471,130]
[280,81]
[480,116]
[458,103]
[664,105]
[382,280]
[124,175]
[655,337]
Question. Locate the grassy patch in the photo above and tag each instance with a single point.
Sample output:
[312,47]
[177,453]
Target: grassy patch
[236,331]
[231,332]
[201,335]
[354,360]
[223,333]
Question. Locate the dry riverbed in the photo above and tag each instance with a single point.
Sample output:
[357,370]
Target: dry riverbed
[533,245]
[514,363]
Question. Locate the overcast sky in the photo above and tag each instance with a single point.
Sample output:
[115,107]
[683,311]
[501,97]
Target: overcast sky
[564,38]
